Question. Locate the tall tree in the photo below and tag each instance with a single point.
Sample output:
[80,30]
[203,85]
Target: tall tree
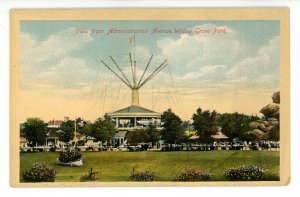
[137,136]
[103,130]
[86,129]
[35,131]
[67,131]
[205,124]
[153,134]
[172,131]
[235,124]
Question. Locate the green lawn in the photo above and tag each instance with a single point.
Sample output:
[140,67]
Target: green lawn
[117,166]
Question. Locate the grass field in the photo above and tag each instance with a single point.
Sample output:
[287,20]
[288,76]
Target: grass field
[117,166]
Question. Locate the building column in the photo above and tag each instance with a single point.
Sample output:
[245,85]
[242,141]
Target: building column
[117,122]
[134,122]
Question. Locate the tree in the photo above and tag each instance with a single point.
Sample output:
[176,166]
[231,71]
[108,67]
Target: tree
[172,131]
[153,134]
[185,125]
[67,131]
[274,133]
[205,124]
[103,130]
[234,124]
[137,136]
[35,131]
[86,129]
[107,117]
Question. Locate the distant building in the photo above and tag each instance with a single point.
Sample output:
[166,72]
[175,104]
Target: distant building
[119,138]
[53,132]
[23,139]
[54,124]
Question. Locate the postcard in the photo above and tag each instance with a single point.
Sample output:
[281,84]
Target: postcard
[149,97]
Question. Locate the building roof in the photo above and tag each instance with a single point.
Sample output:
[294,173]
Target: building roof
[54,123]
[219,136]
[134,111]
[194,137]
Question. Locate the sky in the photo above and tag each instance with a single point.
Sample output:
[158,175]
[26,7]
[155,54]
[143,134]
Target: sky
[233,70]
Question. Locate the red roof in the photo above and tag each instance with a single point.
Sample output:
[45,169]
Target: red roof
[219,136]
[194,137]
[55,122]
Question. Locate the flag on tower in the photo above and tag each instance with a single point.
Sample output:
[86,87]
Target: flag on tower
[132,40]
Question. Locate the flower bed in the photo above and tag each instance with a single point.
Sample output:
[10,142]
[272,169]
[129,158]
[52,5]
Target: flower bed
[71,158]
[39,172]
[141,176]
[193,175]
[246,173]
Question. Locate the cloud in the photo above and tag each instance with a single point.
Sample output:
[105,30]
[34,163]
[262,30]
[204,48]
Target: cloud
[49,62]
[189,52]
[206,61]
[264,63]
[58,45]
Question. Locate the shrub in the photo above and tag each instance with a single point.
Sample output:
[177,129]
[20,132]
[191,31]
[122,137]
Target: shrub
[90,176]
[141,176]
[69,156]
[193,175]
[246,173]
[39,172]
[53,148]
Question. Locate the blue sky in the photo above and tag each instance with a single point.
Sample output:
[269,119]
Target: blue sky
[214,71]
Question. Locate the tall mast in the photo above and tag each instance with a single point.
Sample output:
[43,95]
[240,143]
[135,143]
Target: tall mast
[137,84]
[134,64]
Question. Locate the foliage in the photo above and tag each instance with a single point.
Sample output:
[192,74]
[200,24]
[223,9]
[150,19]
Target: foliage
[39,172]
[141,176]
[153,134]
[137,136]
[107,117]
[90,176]
[86,129]
[205,124]
[274,133]
[103,130]
[35,131]
[246,173]
[249,137]
[69,156]
[67,129]
[172,131]
[185,125]
[193,175]
[235,124]
[81,143]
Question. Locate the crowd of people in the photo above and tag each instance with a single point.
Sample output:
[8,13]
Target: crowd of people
[224,145]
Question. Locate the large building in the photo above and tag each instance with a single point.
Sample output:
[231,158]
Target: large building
[135,117]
